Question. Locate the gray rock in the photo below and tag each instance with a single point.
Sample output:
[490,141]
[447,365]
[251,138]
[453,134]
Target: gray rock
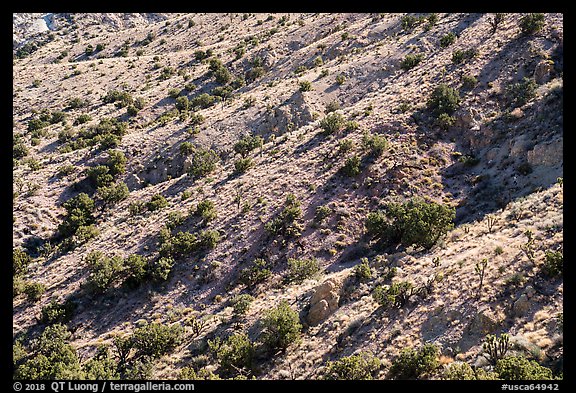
[521,306]
[542,71]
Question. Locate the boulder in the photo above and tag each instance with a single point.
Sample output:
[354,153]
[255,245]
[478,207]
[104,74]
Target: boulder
[542,71]
[521,306]
[324,301]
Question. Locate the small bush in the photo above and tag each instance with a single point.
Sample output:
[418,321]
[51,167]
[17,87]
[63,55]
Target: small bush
[301,269]
[241,303]
[340,79]
[236,352]
[207,210]
[362,271]
[161,268]
[361,366]
[204,162]
[247,143]
[305,86]
[104,271]
[443,99]
[520,93]
[156,339]
[136,269]
[531,23]
[322,212]
[34,291]
[20,262]
[281,327]
[54,312]
[553,263]
[182,103]
[81,119]
[242,165]
[518,368]
[459,56]
[445,121]
[120,98]
[411,61]
[113,193]
[286,223]
[203,100]
[374,143]
[412,364]
[207,240]
[78,213]
[447,40]
[156,202]
[395,295]
[352,166]
[459,371]
[257,273]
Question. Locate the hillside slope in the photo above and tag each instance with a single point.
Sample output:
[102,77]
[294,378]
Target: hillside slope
[337,121]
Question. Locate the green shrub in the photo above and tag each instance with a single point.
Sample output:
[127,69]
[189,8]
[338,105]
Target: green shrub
[374,143]
[469,81]
[77,102]
[459,56]
[242,165]
[520,93]
[104,271]
[101,366]
[301,269]
[207,210]
[81,119]
[340,79]
[445,121]
[222,75]
[332,106]
[247,143]
[305,86]
[553,263]
[54,312]
[395,295]
[362,271]
[78,213]
[120,98]
[34,291]
[136,208]
[443,99]
[415,222]
[241,303]
[156,339]
[113,193]
[352,166]
[411,61]
[409,22]
[459,371]
[207,240]
[156,202]
[20,262]
[281,327]
[136,269]
[180,245]
[19,150]
[161,268]
[322,212]
[196,119]
[531,23]
[203,162]
[255,274]
[518,368]
[361,366]
[203,100]
[236,352]
[182,103]
[286,223]
[447,39]
[413,364]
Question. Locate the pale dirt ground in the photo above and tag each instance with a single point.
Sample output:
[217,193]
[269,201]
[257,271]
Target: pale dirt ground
[305,163]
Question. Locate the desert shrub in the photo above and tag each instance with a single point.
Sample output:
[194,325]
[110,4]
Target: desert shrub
[459,56]
[415,222]
[518,368]
[203,100]
[167,73]
[84,233]
[518,94]
[352,166]
[156,202]
[332,106]
[340,79]
[189,373]
[301,269]
[120,98]
[113,193]
[445,121]
[207,210]
[55,312]
[459,371]
[236,352]
[161,268]
[186,148]
[469,81]
[281,326]
[19,150]
[222,75]
[81,119]
[395,295]
[78,213]
[136,208]
[173,93]
[207,240]
[77,102]
[412,364]
[241,303]
[254,73]
[136,269]
[196,119]
[180,245]
[101,366]
[182,103]
[34,291]
[411,61]
[409,22]
[104,270]
[53,357]
[98,176]
[20,261]
[242,165]
[255,274]
[447,39]
[362,271]
[203,162]
[156,339]
[131,110]
[322,212]
[37,124]
[361,366]
[531,23]
[443,99]
[286,223]
[247,143]
[553,263]
[374,143]
[305,86]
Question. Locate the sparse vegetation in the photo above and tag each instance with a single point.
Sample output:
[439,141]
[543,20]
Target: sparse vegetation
[531,23]
[362,366]
[281,327]
[413,364]
[301,269]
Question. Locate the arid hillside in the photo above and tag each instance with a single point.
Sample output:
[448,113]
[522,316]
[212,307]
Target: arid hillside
[288,196]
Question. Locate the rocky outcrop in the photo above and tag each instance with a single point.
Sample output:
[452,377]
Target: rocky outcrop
[521,306]
[324,301]
[542,71]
